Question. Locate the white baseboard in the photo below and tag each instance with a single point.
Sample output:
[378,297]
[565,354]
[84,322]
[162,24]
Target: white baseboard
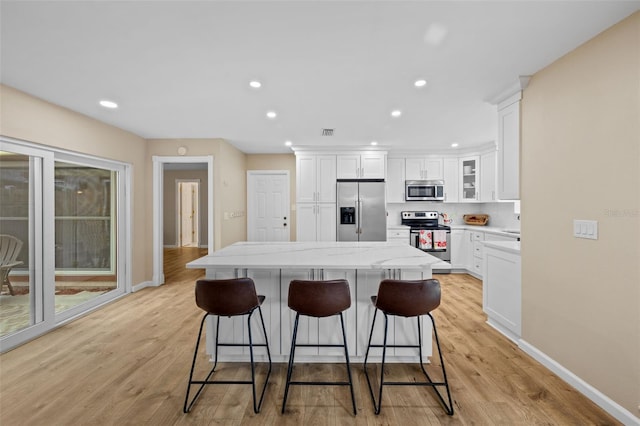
[142,285]
[610,406]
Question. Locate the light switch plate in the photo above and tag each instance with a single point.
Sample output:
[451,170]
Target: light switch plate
[585,229]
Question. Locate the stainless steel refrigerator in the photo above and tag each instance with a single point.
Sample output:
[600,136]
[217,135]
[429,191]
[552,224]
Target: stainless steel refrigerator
[362,210]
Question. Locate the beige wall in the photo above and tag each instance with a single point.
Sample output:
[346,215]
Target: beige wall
[229,175]
[169,199]
[581,160]
[24,117]
[279,162]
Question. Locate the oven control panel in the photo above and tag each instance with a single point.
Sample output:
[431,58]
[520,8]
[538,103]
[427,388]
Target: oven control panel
[420,215]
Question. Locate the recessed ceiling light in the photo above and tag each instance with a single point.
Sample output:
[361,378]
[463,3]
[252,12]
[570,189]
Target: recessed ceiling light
[374,143]
[108,104]
[287,143]
[271,114]
[396,113]
[420,83]
[454,145]
[255,84]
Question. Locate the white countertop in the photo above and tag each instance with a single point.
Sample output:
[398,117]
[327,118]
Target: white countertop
[490,229]
[317,255]
[508,246]
[398,227]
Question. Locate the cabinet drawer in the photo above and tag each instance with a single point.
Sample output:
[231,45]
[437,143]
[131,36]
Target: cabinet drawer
[477,266]
[478,249]
[477,236]
[398,234]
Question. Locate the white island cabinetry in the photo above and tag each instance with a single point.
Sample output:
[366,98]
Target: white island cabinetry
[273,266]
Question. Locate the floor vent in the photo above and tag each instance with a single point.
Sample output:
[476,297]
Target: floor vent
[327,132]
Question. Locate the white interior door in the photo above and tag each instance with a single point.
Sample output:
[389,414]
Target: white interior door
[188,214]
[268,217]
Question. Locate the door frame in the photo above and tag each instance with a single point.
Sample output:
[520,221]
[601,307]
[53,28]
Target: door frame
[157,205]
[251,174]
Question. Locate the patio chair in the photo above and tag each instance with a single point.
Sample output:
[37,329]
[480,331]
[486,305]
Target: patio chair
[10,247]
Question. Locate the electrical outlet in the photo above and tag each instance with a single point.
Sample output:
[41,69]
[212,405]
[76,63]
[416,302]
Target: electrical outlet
[585,229]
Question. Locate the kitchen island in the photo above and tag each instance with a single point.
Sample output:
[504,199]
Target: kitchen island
[273,265]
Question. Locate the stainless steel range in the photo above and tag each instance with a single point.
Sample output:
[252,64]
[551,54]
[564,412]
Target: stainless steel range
[427,235]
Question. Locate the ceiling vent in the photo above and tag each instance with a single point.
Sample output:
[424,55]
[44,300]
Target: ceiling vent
[327,132]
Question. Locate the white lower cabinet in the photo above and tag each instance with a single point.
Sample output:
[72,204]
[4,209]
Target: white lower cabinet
[476,262]
[316,222]
[399,235]
[458,253]
[501,290]
[467,249]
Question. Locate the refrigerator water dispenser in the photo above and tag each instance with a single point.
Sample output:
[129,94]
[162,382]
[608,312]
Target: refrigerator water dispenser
[347,215]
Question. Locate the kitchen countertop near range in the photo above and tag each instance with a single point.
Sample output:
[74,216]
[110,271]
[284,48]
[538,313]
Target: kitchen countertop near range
[515,233]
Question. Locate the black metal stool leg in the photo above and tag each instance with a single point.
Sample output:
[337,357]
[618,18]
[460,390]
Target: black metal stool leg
[290,367]
[448,408]
[384,356]
[187,405]
[266,380]
[366,358]
[346,355]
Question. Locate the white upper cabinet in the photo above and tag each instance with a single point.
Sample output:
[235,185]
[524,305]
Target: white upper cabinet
[451,180]
[395,180]
[488,177]
[421,168]
[469,169]
[509,148]
[368,165]
[315,178]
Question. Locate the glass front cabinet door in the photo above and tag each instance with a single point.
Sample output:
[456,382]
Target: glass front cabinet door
[469,172]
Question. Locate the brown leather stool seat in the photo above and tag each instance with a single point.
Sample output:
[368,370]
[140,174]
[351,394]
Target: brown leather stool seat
[407,299]
[228,298]
[318,299]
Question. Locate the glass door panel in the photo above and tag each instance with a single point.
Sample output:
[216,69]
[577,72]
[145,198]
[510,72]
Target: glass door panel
[17,302]
[85,234]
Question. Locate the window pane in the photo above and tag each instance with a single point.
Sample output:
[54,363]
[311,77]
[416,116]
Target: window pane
[16,297]
[85,233]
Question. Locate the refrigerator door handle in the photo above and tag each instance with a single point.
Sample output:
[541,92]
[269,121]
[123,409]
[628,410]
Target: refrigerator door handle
[359,216]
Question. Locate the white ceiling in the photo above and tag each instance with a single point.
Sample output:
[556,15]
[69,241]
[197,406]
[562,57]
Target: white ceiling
[181,69]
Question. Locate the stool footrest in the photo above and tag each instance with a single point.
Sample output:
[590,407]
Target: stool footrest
[221,382]
[242,344]
[395,346]
[414,383]
[318,345]
[321,383]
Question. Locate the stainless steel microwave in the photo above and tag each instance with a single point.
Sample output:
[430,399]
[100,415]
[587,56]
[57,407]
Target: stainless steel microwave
[424,190]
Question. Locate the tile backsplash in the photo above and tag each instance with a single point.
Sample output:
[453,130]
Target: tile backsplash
[500,214]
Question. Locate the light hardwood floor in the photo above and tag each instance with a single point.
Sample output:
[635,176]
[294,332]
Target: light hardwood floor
[128,363]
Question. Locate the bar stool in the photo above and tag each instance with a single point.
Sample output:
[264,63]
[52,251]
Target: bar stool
[318,299]
[228,298]
[407,299]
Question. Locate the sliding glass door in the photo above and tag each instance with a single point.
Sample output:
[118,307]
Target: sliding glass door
[20,226]
[68,213]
